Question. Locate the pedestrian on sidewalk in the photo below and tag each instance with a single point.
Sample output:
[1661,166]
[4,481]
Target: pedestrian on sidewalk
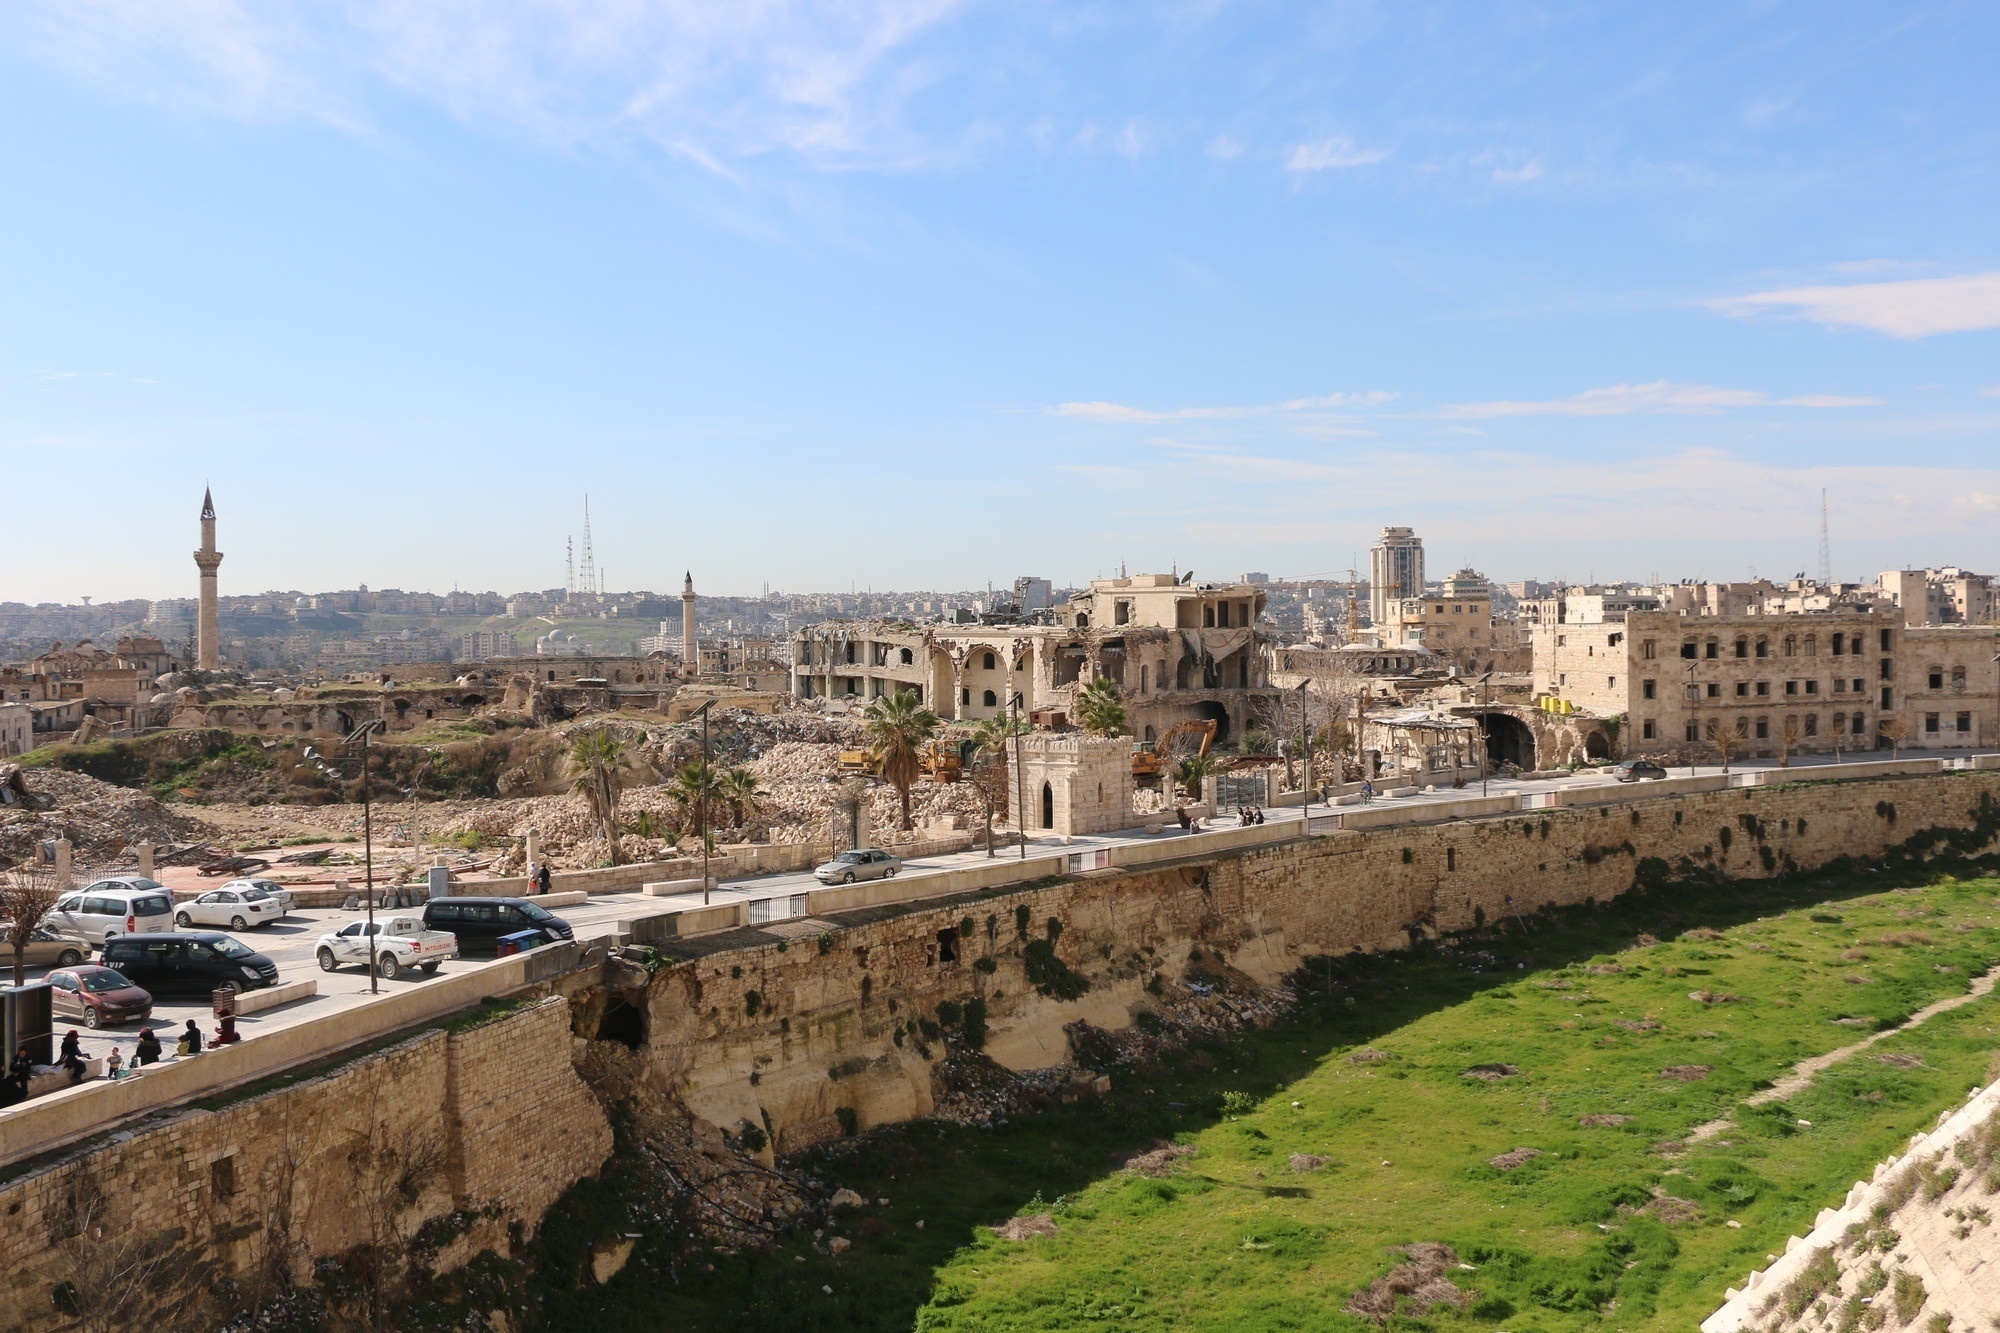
[543,879]
[1367,791]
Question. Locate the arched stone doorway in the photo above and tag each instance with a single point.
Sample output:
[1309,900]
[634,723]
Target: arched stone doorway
[1595,746]
[1048,805]
[1210,711]
[1508,740]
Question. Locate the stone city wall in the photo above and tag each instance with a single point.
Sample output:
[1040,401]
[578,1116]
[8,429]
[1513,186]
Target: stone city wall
[426,1151]
[794,1035]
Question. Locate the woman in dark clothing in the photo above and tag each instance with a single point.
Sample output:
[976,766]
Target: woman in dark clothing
[192,1038]
[149,1048]
[72,1048]
[543,879]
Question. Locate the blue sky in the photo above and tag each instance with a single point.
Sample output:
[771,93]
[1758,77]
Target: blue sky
[924,294]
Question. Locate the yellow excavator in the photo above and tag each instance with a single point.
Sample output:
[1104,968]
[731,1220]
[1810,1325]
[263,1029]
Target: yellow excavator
[1152,760]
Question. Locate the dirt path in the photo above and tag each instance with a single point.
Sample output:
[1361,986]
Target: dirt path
[1804,1071]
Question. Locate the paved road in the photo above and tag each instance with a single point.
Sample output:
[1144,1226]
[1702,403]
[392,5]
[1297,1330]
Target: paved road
[290,942]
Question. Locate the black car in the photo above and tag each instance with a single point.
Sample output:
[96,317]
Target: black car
[480,922]
[1634,769]
[200,960]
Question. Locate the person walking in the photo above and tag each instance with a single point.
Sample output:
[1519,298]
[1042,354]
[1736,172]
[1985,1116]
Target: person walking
[544,881]
[1367,792]
[149,1048]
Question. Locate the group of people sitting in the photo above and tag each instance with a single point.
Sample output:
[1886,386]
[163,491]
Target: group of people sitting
[14,1084]
[1249,814]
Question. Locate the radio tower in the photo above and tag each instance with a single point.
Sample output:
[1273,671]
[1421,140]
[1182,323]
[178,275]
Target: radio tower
[587,576]
[569,568]
[1825,550]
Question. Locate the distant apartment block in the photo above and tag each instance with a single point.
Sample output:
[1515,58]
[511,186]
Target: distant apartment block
[483,644]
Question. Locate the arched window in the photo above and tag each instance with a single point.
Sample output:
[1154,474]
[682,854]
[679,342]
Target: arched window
[1743,647]
[1812,645]
[989,661]
[990,699]
[1791,645]
[1145,673]
[1149,735]
[1048,806]
[1083,620]
[907,659]
[1958,678]
[1763,647]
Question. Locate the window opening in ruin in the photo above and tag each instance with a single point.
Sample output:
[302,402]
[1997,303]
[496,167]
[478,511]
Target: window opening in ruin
[1763,647]
[1048,806]
[947,946]
[1763,728]
[1649,689]
[989,699]
[1885,640]
[1964,723]
[1690,649]
[222,1176]
[1937,679]
[1714,650]
[1646,650]
[987,661]
[1930,722]
[1743,647]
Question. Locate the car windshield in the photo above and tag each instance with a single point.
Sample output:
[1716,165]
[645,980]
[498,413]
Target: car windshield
[229,948]
[104,981]
[140,882]
[254,895]
[852,857]
[534,913]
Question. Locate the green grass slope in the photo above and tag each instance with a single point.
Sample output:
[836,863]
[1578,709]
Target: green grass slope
[1611,1226]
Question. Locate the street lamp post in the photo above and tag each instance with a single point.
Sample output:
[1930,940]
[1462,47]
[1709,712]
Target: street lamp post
[1020,777]
[707,778]
[1306,745]
[362,733]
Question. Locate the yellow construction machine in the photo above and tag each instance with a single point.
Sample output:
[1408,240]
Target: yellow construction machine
[1152,760]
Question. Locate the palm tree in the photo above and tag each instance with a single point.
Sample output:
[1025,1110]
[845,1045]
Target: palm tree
[990,738]
[1100,707]
[739,787]
[599,763]
[692,787]
[897,726]
[1193,773]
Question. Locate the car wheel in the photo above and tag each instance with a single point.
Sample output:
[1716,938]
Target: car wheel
[183,920]
[848,878]
[892,872]
[90,1018]
[68,958]
[327,962]
[386,966]
[237,923]
[430,968]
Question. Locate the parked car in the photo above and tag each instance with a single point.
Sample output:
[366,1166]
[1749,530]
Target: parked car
[200,961]
[401,943]
[236,908]
[1634,769]
[121,905]
[480,922]
[270,886]
[46,948]
[861,863]
[100,996]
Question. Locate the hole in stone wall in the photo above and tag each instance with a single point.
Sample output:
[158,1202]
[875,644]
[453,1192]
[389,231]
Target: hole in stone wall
[623,1023]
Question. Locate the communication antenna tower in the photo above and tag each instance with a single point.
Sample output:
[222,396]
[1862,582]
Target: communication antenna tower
[1825,550]
[569,567]
[587,575]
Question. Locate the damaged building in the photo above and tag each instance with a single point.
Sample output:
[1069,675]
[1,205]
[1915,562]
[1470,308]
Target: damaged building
[1180,652]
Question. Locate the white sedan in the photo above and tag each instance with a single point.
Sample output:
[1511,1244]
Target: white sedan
[270,886]
[233,909]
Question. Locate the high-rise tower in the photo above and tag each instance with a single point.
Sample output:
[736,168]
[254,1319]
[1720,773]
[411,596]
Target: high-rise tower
[208,629]
[1395,571]
[690,657]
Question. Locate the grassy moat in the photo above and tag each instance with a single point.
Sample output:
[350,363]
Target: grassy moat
[1324,1145]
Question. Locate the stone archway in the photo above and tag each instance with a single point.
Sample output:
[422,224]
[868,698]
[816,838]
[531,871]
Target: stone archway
[1048,805]
[1595,746]
[1508,740]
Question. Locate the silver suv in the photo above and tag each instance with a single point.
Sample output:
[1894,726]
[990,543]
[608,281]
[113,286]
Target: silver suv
[861,863]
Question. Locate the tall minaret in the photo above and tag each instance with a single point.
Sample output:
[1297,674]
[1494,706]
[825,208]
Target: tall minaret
[208,630]
[690,657]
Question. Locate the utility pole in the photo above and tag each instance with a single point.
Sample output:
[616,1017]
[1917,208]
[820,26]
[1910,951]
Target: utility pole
[706,779]
[1305,744]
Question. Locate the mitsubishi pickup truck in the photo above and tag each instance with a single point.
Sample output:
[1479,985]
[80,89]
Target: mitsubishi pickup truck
[401,943]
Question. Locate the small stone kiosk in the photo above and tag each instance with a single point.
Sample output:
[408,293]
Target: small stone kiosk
[1073,783]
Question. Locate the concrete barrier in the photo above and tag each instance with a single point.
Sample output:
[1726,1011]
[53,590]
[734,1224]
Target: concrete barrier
[575,898]
[285,992]
[668,888]
[1430,812]
[996,873]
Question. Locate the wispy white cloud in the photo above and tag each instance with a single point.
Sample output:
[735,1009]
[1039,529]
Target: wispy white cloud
[1335,154]
[1122,414]
[711,82]
[1916,308]
[1658,396]
[1993,392]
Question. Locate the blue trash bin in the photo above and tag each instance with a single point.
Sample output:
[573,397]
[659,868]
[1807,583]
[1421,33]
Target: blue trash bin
[519,942]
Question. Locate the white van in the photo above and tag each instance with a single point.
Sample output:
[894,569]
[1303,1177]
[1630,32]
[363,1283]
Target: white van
[125,905]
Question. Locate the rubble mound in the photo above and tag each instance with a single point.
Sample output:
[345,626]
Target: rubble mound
[1686,1073]
[1301,1163]
[1602,1120]
[1513,1161]
[1491,1073]
[98,818]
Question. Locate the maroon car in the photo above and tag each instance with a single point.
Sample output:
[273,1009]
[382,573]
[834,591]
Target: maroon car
[100,996]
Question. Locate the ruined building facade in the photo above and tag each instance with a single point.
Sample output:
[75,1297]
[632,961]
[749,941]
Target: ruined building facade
[1179,651]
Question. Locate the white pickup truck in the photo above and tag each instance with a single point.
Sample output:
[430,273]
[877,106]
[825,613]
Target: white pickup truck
[401,943]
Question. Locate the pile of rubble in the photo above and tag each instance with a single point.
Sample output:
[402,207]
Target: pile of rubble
[98,818]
